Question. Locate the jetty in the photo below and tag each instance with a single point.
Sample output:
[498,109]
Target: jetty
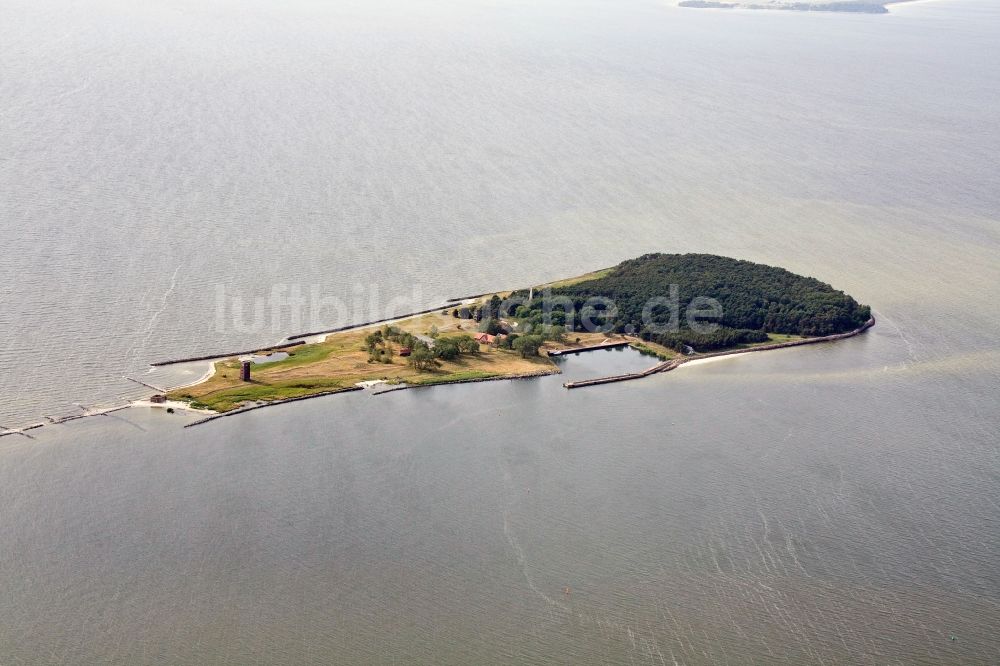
[602,345]
[663,366]
[142,383]
[667,366]
[5,431]
[212,357]
[350,327]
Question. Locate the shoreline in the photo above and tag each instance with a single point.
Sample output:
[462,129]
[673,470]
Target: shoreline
[877,7]
[354,389]
[400,383]
[892,4]
[291,342]
[300,339]
[662,366]
[333,360]
[667,366]
[273,403]
[363,386]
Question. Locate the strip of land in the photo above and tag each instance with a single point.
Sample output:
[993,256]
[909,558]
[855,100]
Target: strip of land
[668,365]
[516,334]
[343,360]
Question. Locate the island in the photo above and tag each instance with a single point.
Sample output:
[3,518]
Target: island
[673,307]
[853,6]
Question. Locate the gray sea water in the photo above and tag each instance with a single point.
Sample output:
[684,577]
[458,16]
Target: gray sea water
[835,504]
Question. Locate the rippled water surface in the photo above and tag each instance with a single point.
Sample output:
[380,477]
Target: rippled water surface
[834,504]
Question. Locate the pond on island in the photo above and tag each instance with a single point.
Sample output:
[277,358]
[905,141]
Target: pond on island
[602,362]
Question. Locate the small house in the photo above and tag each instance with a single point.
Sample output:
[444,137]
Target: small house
[485,338]
[158,399]
[405,351]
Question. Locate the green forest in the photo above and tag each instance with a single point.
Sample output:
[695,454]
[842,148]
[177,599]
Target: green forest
[755,300]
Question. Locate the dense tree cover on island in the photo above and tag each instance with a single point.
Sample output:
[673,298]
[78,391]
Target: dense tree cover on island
[723,338]
[755,300]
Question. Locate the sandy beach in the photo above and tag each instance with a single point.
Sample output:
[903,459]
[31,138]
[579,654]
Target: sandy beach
[712,359]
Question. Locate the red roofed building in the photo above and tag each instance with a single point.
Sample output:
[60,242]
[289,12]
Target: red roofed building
[485,338]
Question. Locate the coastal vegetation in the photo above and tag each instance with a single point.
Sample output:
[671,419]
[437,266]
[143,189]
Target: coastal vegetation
[723,338]
[648,302]
[349,357]
[652,296]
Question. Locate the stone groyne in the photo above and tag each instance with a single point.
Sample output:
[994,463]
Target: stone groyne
[667,366]
[575,350]
[297,339]
[211,357]
[467,298]
[348,327]
[100,411]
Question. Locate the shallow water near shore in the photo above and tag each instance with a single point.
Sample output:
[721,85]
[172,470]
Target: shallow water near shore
[522,522]
[826,504]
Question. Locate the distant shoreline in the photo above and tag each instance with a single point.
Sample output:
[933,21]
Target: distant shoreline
[842,7]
